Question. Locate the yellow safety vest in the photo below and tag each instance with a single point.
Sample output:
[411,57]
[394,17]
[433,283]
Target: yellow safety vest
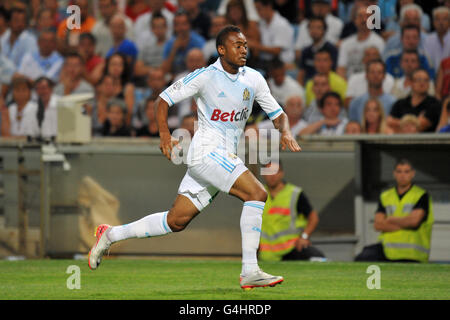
[405,243]
[281,225]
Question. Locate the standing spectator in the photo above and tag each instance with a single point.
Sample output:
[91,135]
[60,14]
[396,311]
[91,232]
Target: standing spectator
[409,62]
[69,39]
[443,79]
[375,74]
[357,83]
[437,44]
[320,8]
[277,35]
[116,123]
[93,63]
[331,125]
[179,45]
[351,51]
[200,20]
[405,218]
[209,50]
[323,64]
[317,28]
[288,220]
[282,85]
[150,128]
[101,29]
[374,118]
[47,115]
[410,42]
[44,62]
[418,103]
[71,80]
[120,43]
[18,41]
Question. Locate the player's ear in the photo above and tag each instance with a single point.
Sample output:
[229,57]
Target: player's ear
[221,50]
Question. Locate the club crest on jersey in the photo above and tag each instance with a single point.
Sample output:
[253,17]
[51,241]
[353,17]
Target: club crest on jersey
[246,95]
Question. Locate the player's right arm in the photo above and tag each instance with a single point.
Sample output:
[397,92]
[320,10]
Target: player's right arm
[167,142]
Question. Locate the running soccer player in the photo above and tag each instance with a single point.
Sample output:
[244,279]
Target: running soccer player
[224,93]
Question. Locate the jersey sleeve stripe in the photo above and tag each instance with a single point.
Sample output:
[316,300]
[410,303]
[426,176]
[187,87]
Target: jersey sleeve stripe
[172,103]
[274,113]
[187,80]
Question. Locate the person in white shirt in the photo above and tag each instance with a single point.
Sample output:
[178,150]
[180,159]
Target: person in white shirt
[352,48]
[142,24]
[47,114]
[437,44]
[320,8]
[282,85]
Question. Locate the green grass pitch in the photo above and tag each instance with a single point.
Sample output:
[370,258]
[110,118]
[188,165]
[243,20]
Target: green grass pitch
[209,279]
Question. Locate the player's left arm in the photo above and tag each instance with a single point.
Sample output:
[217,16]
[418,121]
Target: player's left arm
[281,123]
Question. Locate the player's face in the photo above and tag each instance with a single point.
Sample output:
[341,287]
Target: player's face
[235,49]
[403,175]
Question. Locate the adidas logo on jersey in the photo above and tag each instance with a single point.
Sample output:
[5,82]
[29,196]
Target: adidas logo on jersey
[218,115]
[221,95]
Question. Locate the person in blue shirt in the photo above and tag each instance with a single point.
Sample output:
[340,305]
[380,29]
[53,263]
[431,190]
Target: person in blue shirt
[121,44]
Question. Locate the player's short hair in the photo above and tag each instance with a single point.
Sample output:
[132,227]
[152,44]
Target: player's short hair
[223,34]
[402,162]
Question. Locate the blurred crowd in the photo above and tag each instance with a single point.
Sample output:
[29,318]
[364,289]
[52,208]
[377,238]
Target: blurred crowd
[334,66]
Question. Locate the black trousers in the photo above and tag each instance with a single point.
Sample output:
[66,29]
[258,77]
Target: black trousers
[375,252]
[305,254]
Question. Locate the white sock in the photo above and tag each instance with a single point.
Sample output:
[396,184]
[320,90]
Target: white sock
[149,226]
[251,220]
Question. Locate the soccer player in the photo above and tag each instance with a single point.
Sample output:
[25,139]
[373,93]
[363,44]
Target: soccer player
[224,93]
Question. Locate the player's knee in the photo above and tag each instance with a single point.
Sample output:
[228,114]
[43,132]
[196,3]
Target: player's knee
[177,224]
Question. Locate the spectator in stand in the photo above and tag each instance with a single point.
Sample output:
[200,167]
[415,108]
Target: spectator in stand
[93,63]
[101,29]
[104,92]
[44,62]
[353,127]
[321,85]
[141,25]
[317,28]
[410,42]
[47,102]
[357,83]
[437,44]
[44,21]
[351,51]
[281,84]
[409,124]
[375,74]
[323,64]
[121,44]
[374,119]
[410,61]
[18,41]
[69,38]
[200,20]
[418,103]
[444,120]
[209,50]
[320,8]
[116,123]
[71,80]
[276,36]
[136,8]
[424,19]
[7,70]
[443,80]
[56,13]
[331,125]
[20,118]
[150,52]
[249,7]
[150,128]
[179,45]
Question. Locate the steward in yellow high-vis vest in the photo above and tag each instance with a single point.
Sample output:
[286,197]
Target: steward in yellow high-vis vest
[405,219]
[288,221]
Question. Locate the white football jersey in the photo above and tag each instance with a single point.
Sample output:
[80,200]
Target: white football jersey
[224,103]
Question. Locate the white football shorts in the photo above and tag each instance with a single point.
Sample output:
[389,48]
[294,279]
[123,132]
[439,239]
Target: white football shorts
[218,172]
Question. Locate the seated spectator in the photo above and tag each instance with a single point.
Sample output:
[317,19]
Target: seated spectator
[44,21]
[410,42]
[283,229]
[116,124]
[374,119]
[281,84]
[101,30]
[443,79]
[350,29]
[276,35]
[71,80]
[444,120]
[104,92]
[323,64]
[200,20]
[7,70]
[423,18]
[22,112]
[69,38]
[319,8]
[93,63]
[150,51]
[409,63]
[437,44]
[409,124]
[418,103]
[331,125]
[351,50]
[375,74]
[47,114]
[178,46]
[18,41]
[317,28]
[353,127]
[57,13]
[121,44]
[357,83]
[44,62]
[209,50]
[142,23]
[150,127]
